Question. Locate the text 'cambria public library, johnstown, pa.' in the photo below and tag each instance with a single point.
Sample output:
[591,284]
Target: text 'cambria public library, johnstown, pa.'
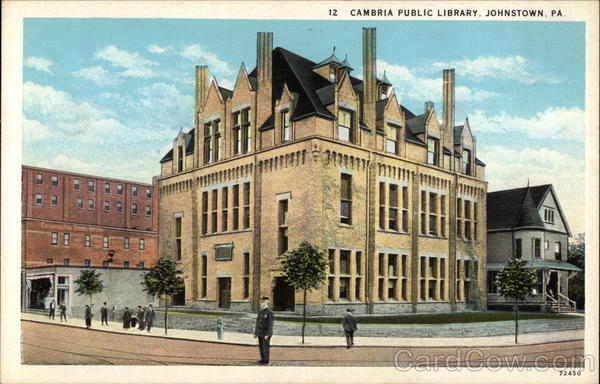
[301,150]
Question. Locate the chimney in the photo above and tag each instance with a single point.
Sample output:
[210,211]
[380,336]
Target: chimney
[264,57]
[369,67]
[202,82]
[448,95]
[428,106]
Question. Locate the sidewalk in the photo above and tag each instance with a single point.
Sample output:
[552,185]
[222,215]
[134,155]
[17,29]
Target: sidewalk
[311,341]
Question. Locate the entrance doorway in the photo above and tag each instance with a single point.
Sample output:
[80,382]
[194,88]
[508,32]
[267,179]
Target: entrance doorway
[283,296]
[179,298]
[41,293]
[224,292]
[552,288]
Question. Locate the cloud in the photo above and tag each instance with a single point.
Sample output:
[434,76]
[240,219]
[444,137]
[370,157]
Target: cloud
[511,168]
[98,75]
[168,105]
[197,53]
[33,130]
[153,48]
[553,123]
[133,64]
[39,63]
[510,68]
[408,85]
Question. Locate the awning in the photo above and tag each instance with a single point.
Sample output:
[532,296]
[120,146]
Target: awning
[539,264]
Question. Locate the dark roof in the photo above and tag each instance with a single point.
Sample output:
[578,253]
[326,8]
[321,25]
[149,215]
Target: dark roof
[380,108]
[417,123]
[479,162]
[458,134]
[326,94]
[385,80]
[331,59]
[447,151]
[407,114]
[226,93]
[409,136]
[515,208]
[252,80]
[346,64]
[189,146]
[268,124]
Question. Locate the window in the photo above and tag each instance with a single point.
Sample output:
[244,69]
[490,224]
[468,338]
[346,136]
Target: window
[466,162]
[344,287]
[79,203]
[105,242]
[134,209]
[208,154]
[285,126]
[217,140]
[224,208]
[134,191]
[392,265]
[66,262]
[283,226]
[119,207]
[88,241]
[423,282]
[54,200]
[91,204]
[54,238]
[106,206]
[91,186]
[203,274]
[38,199]
[381,264]
[332,74]
[106,187]
[241,132]
[119,189]
[178,238]
[179,158]
[39,179]
[344,262]
[423,213]
[443,216]
[54,181]
[382,206]
[126,243]
[475,221]
[405,209]
[346,199]
[331,278]
[148,193]
[546,244]
[236,207]
[433,148]
[214,212]
[246,205]
[331,261]
[148,210]
[549,215]
[49,260]
[358,256]
[66,239]
[558,251]
[459,215]
[537,251]
[142,244]
[433,214]
[492,286]
[76,184]
[518,248]
[126,264]
[468,220]
[141,264]
[345,126]
[87,263]
[393,210]
[204,213]
[246,276]
[391,141]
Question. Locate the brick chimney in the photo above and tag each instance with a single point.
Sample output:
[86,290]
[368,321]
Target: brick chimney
[264,57]
[264,77]
[202,83]
[369,79]
[448,96]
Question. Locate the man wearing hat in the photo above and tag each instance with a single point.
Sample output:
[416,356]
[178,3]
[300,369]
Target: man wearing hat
[349,324]
[264,329]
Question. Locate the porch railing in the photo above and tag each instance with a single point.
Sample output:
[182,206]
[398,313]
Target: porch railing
[572,303]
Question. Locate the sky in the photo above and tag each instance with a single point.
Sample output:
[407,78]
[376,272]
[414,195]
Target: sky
[108,96]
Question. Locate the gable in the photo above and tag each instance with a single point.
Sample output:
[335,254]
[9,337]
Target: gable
[467,136]
[550,202]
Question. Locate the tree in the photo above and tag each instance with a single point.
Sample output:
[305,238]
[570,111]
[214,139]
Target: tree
[89,283]
[576,256]
[304,268]
[515,281]
[163,280]
[476,293]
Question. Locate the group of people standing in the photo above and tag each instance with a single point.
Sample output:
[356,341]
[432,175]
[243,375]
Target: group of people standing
[141,317]
[63,311]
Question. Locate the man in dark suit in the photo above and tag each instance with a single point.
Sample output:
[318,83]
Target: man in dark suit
[104,314]
[349,324]
[63,312]
[88,316]
[264,329]
[52,310]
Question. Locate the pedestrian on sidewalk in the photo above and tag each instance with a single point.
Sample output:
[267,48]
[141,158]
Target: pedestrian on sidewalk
[150,316]
[134,318]
[63,311]
[88,316]
[126,318]
[104,314]
[264,330]
[142,317]
[349,324]
[52,310]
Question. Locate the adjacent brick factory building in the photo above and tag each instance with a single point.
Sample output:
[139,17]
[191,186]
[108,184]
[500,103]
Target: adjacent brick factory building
[75,221]
[301,150]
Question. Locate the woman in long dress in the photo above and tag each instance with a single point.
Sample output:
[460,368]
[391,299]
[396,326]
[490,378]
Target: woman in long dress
[126,318]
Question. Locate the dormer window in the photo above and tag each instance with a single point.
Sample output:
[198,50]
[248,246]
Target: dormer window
[466,162]
[332,74]
[345,126]
[391,141]
[285,126]
[433,149]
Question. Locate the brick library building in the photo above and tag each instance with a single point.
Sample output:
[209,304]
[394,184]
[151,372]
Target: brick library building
[71,222]
[302,150]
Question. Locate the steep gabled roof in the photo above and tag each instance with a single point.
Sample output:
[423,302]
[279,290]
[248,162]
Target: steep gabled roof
[226,93]
[189,146]
[458,134]
[417,123]
[514,208]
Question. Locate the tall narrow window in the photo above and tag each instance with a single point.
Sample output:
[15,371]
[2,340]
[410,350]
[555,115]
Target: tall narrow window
[423,212]
[466,162]
[459,216]
[283,226]
[39,179]
[126,243]
[106,187]
[433,214]
[54,239]
[203,274]
[148,210]
[537,248]
[558,250]
[468,219]
[88,241]
[105,242]
[391,141]
[91,186]
[344,262]
[178,238]
[331,278]
[214,214]
[67,239]
[246,275]
[224,208]
[246,220]
[142,244]
[518,248]
[236,207]
[119,206]
[134,190]
[134,208]
[285,126]
[148,193]
[475,221]
[382,206]
[433,148]
[246,137]
[54,200]
[54,181]
[119,189]
[393,210]
[346,199]
[106,206]
[237,134]
[208,152]
[423,281]
[179,158]
[91,204]
[204,213]
[404,209]
[76,184]
[442,215]
[345,126]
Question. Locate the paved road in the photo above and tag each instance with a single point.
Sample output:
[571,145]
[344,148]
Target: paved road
[55,344]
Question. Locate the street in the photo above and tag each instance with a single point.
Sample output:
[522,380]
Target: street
[55,344]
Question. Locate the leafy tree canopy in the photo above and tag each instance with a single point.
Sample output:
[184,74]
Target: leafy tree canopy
[163,278]
[515,280]
[305,267]
[89,283]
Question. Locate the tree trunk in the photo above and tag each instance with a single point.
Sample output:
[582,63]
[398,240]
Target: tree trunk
[166,310]
[303,316]
[516,320]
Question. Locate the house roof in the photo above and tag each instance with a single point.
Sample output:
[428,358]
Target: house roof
[538,264]
[189,146]
[417,123]
[515,208]
[458,134]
